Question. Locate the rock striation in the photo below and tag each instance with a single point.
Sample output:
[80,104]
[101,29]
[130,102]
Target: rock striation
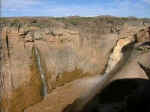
[45,68]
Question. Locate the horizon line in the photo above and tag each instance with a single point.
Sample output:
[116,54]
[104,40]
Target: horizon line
[75,16]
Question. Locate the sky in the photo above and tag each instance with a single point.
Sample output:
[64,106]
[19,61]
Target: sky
[59,8]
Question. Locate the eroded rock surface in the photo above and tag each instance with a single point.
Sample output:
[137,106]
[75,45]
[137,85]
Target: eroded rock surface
[64,58]
[68,92]
[22,84]
[43,69]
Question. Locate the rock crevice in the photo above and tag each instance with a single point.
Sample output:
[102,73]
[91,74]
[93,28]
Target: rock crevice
[43,66]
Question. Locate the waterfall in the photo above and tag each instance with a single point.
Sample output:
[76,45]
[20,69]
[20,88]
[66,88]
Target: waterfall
[42,74]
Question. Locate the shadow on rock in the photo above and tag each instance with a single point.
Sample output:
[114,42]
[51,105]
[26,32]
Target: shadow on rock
[124,95]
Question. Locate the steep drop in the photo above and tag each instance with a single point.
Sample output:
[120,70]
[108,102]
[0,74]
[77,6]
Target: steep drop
[40,68]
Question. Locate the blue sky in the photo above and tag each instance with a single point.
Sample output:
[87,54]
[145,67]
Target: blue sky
[124,8]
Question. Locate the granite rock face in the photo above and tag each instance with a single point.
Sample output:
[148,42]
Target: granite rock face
[45,68]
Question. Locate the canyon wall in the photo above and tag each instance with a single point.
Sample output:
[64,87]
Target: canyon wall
[47,63]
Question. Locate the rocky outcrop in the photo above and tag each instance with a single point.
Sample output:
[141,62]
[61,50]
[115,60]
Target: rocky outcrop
[64,57]
[21,79]
[140,55]
[67,94]
[143,35]
[47,68]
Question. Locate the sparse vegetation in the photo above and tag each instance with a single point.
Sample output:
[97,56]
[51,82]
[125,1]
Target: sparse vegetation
[45,22]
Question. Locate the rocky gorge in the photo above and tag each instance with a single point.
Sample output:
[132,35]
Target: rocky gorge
[48,63]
